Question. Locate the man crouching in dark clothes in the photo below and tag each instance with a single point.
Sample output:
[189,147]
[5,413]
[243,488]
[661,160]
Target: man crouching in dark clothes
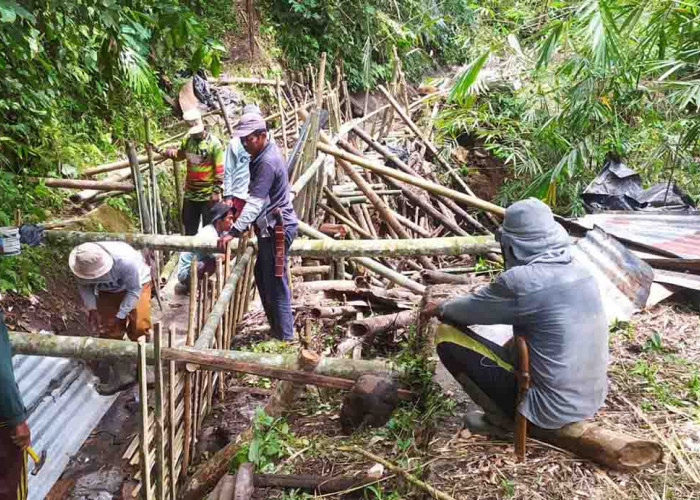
[268,206]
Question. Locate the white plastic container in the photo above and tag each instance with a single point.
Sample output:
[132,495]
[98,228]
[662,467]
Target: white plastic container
[9,241]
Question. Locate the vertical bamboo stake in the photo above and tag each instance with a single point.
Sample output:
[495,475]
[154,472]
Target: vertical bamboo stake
[172,423]
[213,285]
[282,118]
[138,185]
[221,330]
[178,194]
[191,327]
[227,317]
[144,437]
[159,413]
[134,164]
[249,284]
[224,113]
[321,81]
[152,171]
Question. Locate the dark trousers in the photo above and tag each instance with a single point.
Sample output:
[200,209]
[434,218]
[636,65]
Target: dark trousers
[13,468]
[192,211]
[274,292]
[495,382]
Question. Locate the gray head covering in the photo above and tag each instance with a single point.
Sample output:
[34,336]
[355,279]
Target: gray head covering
[251,108]
[530,234]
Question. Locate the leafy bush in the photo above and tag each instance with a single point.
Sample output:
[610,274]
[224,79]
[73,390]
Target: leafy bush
[79,74]
[362,34]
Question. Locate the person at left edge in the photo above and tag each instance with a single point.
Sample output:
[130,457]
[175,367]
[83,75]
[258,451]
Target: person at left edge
[15,436]
[205,171]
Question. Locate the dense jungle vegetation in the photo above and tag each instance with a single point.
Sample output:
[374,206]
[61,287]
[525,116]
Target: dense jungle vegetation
[549,86]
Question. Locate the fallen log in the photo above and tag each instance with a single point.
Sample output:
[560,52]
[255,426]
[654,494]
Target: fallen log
[333,311]
[410,179]
[310,270]
[438,277]
[83,184]
[123,350]
[616,450]
[379,324]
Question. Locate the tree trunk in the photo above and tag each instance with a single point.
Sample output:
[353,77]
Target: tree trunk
[380,324]
[437,277]
[123,350]
[604,446]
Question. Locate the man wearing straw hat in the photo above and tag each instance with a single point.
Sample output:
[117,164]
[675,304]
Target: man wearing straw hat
[115,284]
[205,171]
[15,436]
[269,209]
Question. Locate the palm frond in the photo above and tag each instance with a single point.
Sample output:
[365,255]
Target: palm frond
[468,81]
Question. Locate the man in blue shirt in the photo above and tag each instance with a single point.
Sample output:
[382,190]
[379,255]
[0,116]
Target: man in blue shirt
[268,194]
[236,171]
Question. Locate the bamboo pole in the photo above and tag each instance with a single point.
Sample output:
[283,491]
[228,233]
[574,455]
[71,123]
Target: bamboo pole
[152,171]
[349,222]
[178,193]
[82,184]
[245,81]
[278,88]
[221,330]
[413,180]
[388,155]
[158,412]
[144,435]
[191,326]
[208,330]
[467,245]
[321,81]
[224,113]
[138,181]
[118,165]
[370,264]
[172,420]
[386,214]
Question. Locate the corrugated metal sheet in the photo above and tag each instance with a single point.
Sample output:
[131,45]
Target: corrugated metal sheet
[63,408]
[678,234]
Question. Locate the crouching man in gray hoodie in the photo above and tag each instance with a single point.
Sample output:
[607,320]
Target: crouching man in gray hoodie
[555,304]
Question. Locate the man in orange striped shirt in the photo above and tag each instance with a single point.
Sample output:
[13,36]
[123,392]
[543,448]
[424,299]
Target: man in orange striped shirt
[205,172]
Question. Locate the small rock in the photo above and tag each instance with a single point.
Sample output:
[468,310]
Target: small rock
[465,434]
[376,471]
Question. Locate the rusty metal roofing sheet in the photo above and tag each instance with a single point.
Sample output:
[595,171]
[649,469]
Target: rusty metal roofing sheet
[623,278]
[678,234]
[63,408]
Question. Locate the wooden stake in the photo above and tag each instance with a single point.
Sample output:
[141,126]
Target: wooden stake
[321,81]
[144,434]
[172,420]
[152,170]
[282,118]
[159,412]
[191,327]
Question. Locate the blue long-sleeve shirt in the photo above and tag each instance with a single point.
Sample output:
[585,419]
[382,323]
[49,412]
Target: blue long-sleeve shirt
[236,173]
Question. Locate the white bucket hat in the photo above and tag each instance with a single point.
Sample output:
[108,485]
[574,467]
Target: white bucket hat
[90,261]
[193,115]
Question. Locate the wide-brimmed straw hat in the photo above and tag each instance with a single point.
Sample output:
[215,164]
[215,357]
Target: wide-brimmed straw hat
[192,115]
[90,261]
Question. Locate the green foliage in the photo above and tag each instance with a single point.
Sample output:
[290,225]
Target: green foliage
[26,273]
[597,76]
[653,343]
[272,440]
[362,34]
[79,73]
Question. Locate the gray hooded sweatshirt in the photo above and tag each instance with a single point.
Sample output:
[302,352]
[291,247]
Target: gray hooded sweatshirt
[555,304]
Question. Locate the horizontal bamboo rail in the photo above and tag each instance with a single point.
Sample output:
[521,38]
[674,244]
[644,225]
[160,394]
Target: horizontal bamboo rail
[320,247]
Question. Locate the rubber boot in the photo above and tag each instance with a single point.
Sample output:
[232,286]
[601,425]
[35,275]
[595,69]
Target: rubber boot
[121,378]
[493,412]
[479,422]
